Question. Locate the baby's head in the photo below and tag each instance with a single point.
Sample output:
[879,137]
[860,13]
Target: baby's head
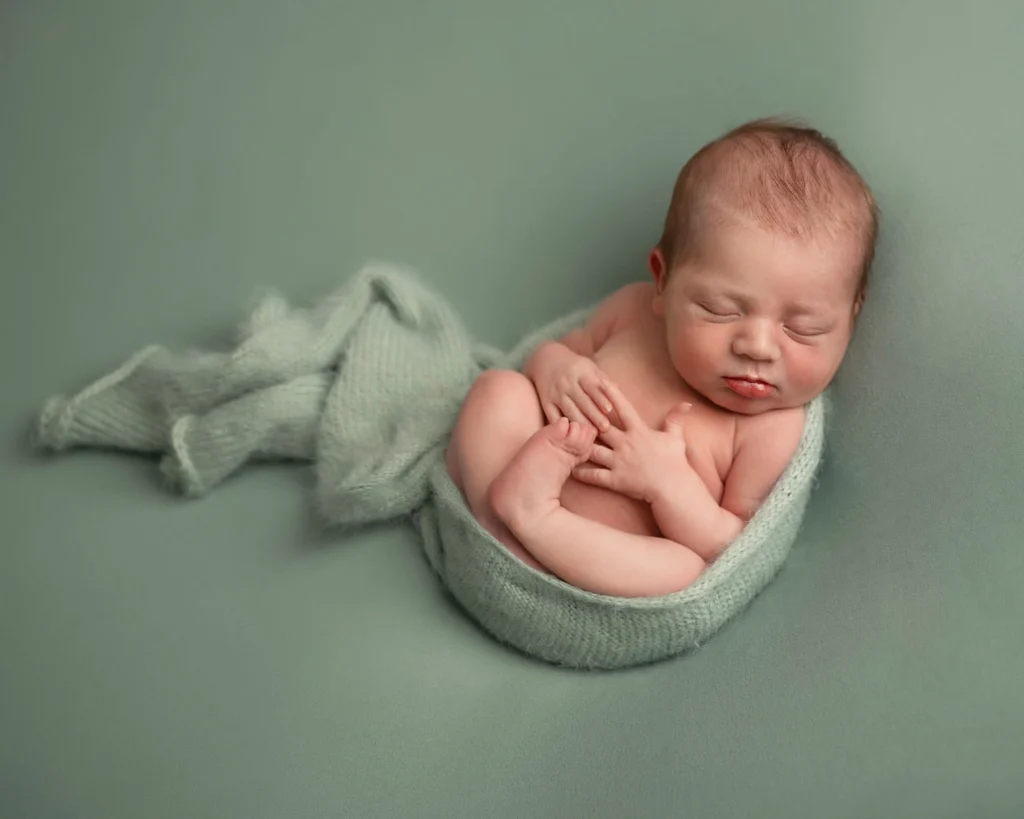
[763,265]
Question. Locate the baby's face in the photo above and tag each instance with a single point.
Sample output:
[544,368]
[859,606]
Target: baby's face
[762,321]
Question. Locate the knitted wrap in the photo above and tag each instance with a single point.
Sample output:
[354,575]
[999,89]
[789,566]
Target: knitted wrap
[366,386]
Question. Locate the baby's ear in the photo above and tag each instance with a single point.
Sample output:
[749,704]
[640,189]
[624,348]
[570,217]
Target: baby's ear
[656,262]
[858,303]
[658,269]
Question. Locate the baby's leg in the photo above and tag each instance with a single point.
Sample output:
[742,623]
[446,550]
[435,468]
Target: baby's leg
[500,413]
[587,554]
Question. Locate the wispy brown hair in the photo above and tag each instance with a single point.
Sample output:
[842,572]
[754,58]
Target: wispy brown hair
[779,173]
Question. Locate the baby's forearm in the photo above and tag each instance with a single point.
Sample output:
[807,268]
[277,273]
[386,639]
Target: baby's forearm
[597,558]
[687,513]
[546,355]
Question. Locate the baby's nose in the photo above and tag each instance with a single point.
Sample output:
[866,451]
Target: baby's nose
[756,341]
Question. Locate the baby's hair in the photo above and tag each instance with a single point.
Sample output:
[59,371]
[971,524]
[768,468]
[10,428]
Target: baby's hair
[780,174]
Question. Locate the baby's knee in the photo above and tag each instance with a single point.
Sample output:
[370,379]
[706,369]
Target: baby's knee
[506,397]
[502,386]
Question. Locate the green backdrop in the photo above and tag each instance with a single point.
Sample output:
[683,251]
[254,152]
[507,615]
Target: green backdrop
[225,658]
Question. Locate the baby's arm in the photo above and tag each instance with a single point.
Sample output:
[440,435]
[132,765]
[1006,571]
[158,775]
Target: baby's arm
[582,552]
[765,444]
[601,559]
[688,513]
[651,465]
[588,339]
[563,371]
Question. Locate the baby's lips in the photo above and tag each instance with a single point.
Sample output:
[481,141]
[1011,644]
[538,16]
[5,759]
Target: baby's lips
[750,388]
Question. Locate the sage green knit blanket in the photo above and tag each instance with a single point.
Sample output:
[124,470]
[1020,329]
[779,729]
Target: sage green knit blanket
[366,385]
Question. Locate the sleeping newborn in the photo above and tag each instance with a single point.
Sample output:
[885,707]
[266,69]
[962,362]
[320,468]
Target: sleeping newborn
[627,455]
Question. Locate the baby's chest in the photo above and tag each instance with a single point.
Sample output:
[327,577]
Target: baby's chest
[709,438]
[709,433]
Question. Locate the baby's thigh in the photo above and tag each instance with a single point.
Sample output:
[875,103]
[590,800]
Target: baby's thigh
[500,413]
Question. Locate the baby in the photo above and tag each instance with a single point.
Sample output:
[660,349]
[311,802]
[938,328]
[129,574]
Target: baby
[628,454]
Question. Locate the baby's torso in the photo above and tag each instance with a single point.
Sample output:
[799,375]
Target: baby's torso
[636,359]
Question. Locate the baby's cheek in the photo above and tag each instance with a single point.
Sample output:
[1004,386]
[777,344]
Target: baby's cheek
[693,353]
[808,369]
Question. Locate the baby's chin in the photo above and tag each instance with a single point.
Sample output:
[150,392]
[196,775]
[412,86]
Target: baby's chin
[740,406]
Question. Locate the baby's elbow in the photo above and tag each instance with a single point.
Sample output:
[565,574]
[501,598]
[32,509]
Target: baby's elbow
[730,527]
[683,569]
[733,526]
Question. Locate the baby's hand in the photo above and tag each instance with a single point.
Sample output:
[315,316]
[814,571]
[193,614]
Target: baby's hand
[636,459]
[572,388]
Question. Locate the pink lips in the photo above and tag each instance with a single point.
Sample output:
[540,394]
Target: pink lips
[750,388]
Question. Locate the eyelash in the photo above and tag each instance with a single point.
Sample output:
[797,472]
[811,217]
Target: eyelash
[707,309]
[805,336]
[790,330]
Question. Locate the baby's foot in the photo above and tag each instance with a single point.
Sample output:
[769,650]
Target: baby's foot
[529,487]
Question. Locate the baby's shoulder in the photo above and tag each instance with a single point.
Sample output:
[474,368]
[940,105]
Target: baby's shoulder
[764,446]
[636,296]
[620,311]
[628,304]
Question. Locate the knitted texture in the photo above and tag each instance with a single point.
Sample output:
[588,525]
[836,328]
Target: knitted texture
[366,386]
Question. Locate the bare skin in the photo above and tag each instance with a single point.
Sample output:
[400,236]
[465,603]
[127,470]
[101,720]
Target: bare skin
[510,462]
[665,462]
[584,552]
[528,491]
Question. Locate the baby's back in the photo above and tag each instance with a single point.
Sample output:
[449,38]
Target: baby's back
[635,357]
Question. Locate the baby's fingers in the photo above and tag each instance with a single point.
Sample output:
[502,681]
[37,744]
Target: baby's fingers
[594,475]
[676,417]
[591,410]
[573,412]
[598,396]
[624,409]
[551,412]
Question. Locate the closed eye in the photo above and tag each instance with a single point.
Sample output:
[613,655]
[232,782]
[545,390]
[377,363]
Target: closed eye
[716,313]
[805,332]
